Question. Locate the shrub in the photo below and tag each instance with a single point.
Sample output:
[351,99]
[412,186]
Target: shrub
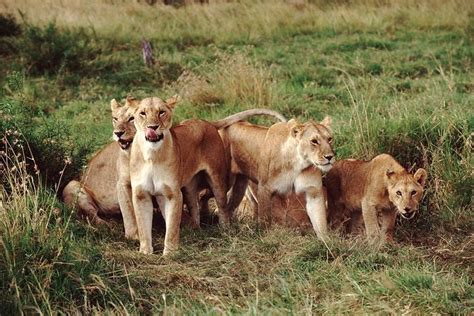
[48,50]
[50,142]
[8,29]
[9,26]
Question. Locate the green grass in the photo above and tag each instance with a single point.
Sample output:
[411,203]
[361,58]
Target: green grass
[396,78]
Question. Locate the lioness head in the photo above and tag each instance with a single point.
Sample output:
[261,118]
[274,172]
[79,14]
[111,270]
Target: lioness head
[154,117]
[314,142]
[122,120]
[406,190]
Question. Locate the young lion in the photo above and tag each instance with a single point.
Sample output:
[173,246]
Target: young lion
[377,188]
[285,157]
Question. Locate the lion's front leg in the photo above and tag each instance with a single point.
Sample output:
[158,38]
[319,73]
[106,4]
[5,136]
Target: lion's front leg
[173,209]
[316,209]
[310,183]
[388,224]
[369,213]
[124,194]
[144,215]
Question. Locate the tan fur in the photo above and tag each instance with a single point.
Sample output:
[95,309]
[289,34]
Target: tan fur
[124,132]
[378,190]
[168,160]
[241,116]
[105,188]
[287,210]
[107,179]
[285,157]
[96,193]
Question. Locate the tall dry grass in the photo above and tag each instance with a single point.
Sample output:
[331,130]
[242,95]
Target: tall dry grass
[224,22]
[42,262]
[233,80]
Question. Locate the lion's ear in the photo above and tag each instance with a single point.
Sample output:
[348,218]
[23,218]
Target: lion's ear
[132,102]
[114,104]
[296,129]
[171,102]
[389,173]
[327,121]
[420,176]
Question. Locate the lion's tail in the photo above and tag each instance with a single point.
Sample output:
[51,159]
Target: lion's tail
[234,118]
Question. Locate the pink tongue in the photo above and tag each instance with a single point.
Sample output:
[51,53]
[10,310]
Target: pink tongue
[151,133]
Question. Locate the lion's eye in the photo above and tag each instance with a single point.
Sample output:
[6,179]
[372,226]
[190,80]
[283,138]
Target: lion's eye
[131,119]
[114,118]
[314,142]
[142,113]
[399,193]
[330,140]
[413,192]
[161,113]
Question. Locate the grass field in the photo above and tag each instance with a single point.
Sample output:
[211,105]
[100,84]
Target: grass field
[395,75]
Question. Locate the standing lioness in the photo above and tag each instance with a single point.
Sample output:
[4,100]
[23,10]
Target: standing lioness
[164,159]
[283,158]
[376,189]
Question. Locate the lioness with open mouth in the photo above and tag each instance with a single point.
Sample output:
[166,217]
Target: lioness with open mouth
[107,176]
[373,191]
[124,132]
[285,157]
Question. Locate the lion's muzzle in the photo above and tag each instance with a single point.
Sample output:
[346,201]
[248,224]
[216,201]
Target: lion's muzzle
[124,144]
[408,213]
[151,134]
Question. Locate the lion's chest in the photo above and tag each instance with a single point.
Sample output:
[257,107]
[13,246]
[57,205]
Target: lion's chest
[157,180]
[283,182]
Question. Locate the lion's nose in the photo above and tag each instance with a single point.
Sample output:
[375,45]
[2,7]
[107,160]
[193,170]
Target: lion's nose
[118,134]
[407,209]
[329,157]
[153,127]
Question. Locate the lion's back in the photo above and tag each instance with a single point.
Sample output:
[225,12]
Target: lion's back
[101,176]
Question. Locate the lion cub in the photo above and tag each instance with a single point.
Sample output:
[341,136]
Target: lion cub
[377,189]
[283,158]
[164,159]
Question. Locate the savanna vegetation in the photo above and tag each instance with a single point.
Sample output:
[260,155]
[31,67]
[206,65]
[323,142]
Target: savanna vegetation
[395,75]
